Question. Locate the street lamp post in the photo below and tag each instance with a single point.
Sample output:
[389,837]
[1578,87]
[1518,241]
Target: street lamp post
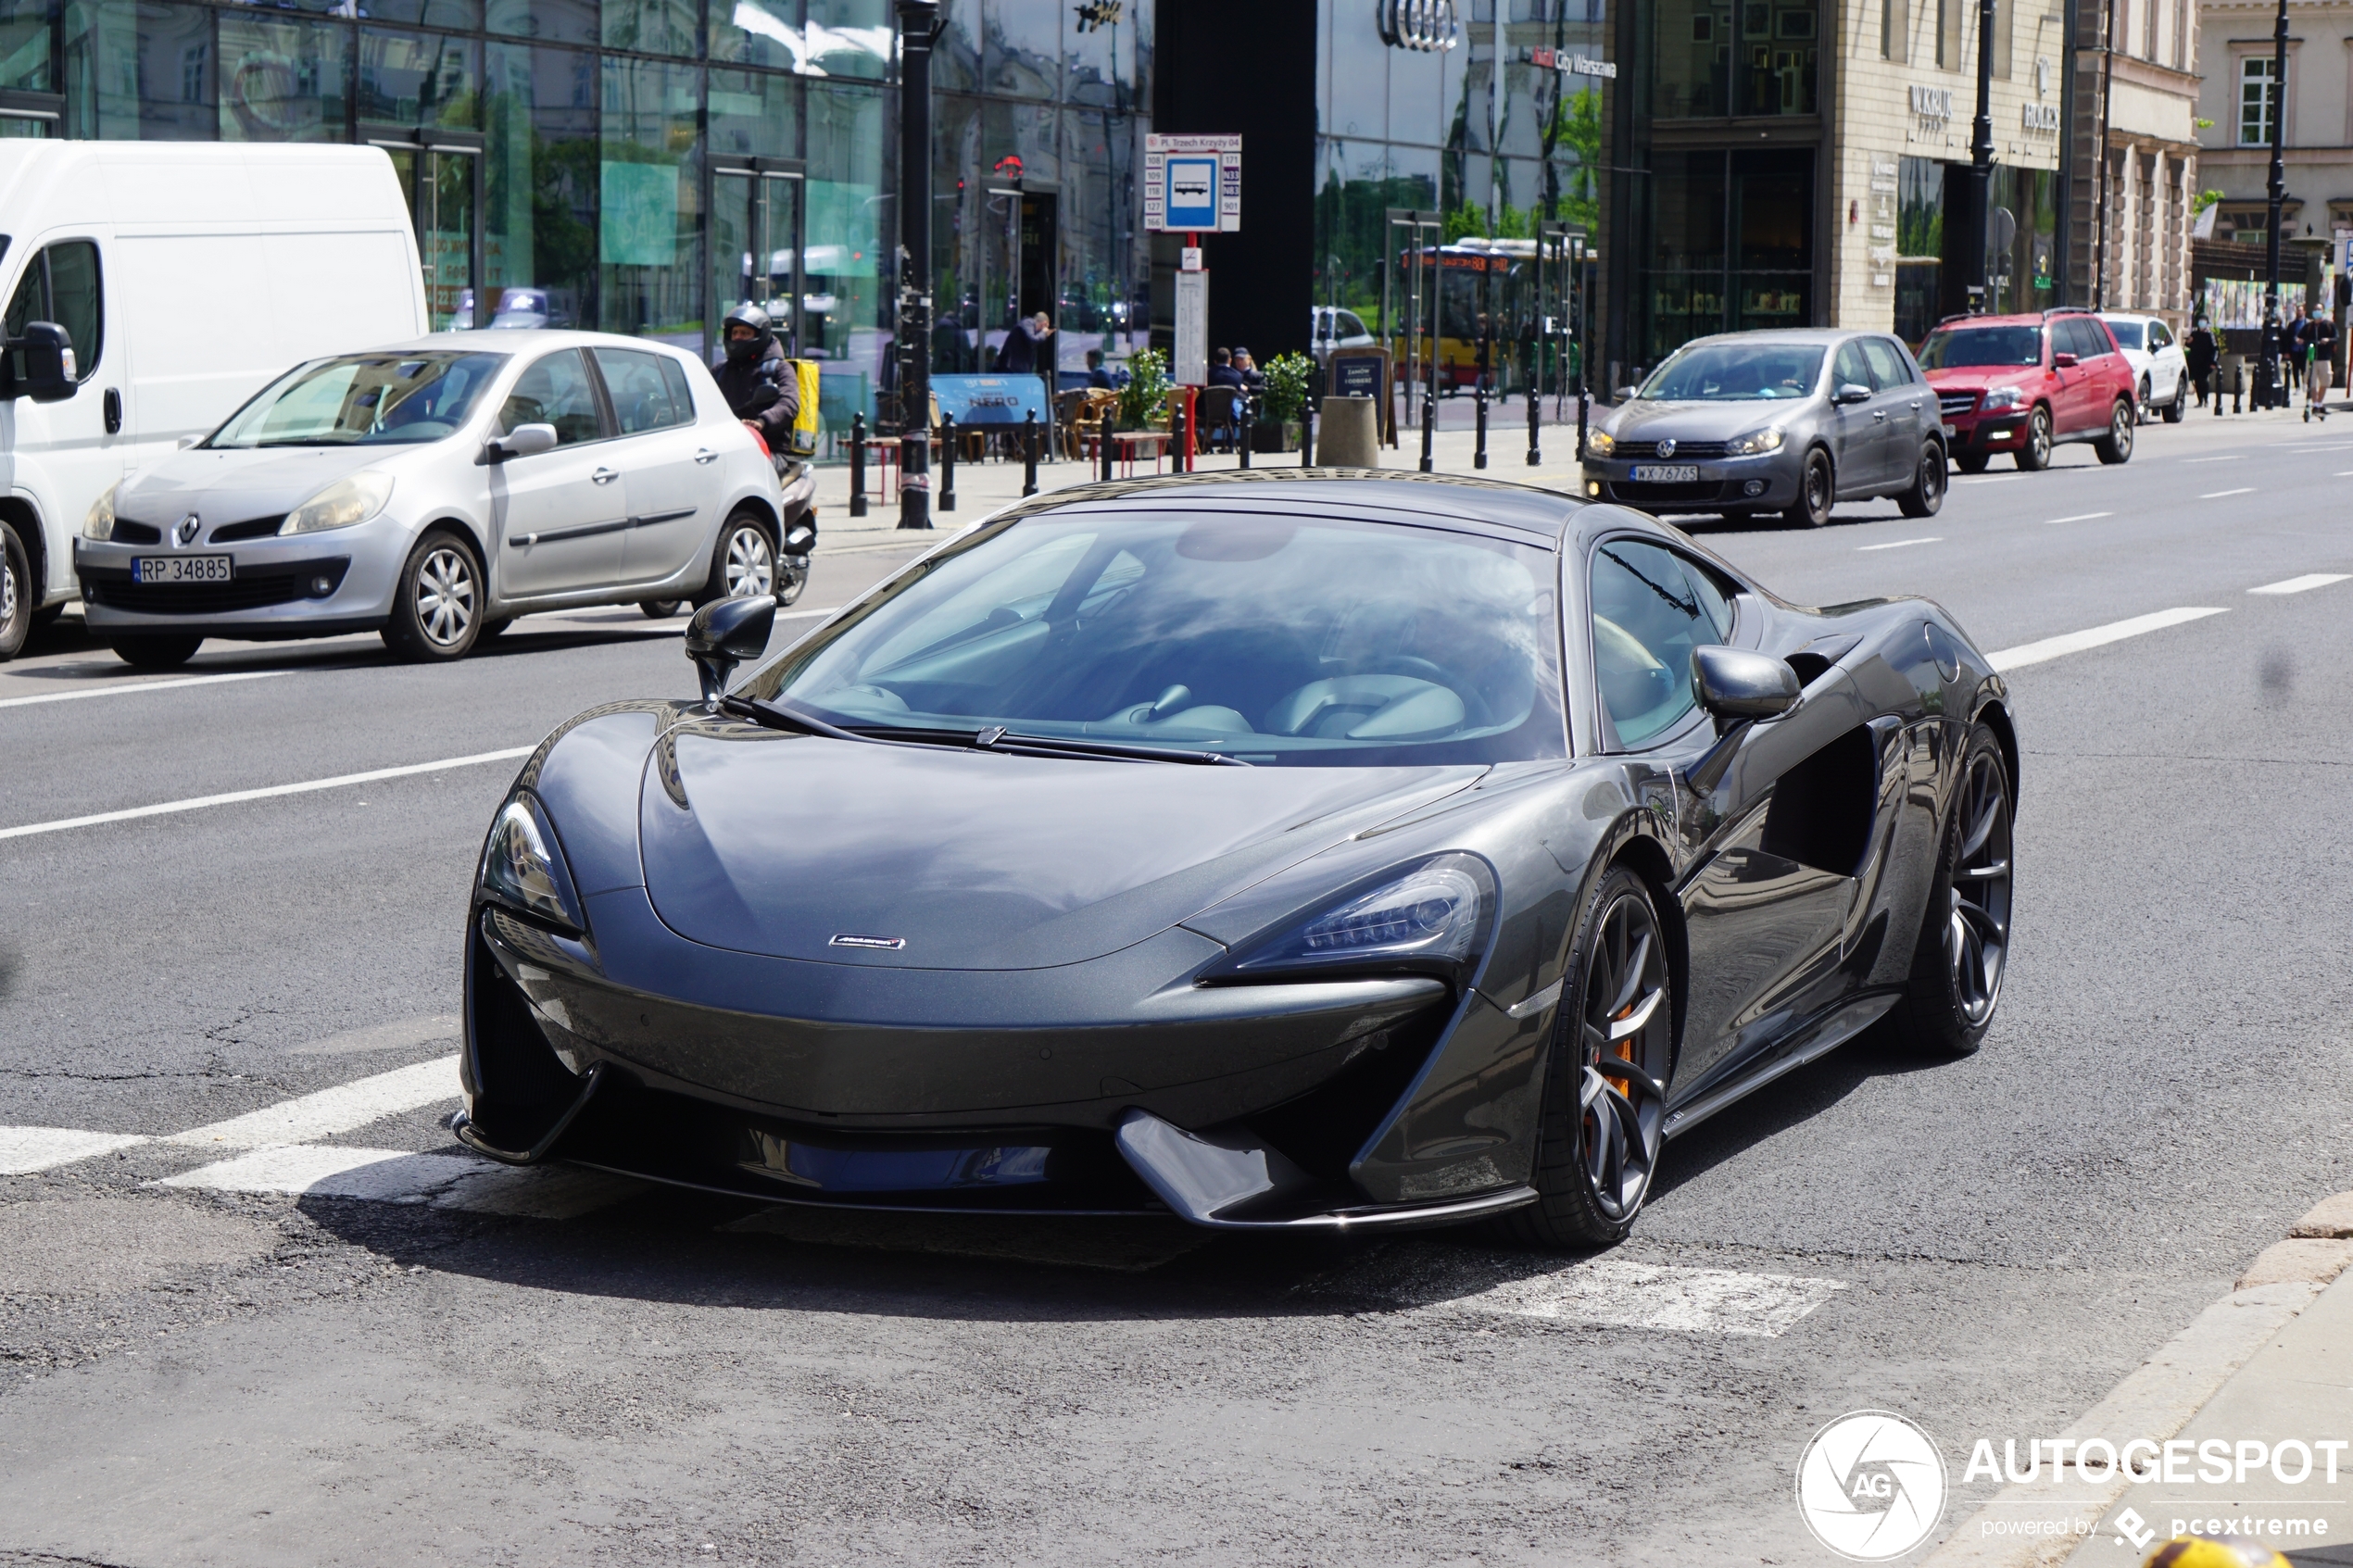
[2268,393]
[1981,159]
[918,20]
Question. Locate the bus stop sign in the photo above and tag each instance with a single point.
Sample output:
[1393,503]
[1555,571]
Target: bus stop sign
[1193,183]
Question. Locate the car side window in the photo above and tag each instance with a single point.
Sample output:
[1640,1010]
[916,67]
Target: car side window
[2089,338]
[682,397]
[554,392]
[1350,327]
[1889,373]
[2161,336]
[641,394]
[60,284]
[1647,617]
[1850,369]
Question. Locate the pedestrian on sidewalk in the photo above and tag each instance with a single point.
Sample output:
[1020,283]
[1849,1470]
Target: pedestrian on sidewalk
[2320,358]
[2198,357]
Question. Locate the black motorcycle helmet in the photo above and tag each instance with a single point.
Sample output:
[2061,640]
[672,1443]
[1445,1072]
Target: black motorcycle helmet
[763,332]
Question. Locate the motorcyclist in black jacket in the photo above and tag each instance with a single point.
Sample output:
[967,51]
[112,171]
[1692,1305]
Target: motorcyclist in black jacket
[760,386]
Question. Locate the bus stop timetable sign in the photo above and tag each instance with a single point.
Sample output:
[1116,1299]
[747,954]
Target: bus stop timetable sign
[1193,183]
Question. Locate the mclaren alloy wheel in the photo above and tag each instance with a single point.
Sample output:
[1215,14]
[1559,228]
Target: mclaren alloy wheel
[1965,931]
[1605,1079]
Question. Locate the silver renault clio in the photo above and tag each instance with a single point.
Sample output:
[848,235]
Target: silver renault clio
[434,490]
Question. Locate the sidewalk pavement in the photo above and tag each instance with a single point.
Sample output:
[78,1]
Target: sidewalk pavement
[981,488]
[2258,1391]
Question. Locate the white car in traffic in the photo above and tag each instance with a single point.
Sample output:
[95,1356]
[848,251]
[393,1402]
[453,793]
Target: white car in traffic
[434,490]
[2160,373]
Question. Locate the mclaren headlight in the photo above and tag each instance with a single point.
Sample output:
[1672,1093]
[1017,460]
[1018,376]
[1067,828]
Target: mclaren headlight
[523,866]
[1430,918]
[1599,443]
[98,524]
[349,501]
[1755,442]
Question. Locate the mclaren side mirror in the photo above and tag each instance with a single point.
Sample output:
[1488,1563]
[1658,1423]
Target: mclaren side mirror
[1739,689]
[1853,392]
[48,357]
[2063,362]
[725,632]
[523,440]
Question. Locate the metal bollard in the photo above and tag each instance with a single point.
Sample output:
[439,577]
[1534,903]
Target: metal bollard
[1307,433]
[1030,452]
[1102,441]
[1180,435]
[858,465]
[947,462]
[1535,403]
[1429,420]
[1478,457]
[1242,423]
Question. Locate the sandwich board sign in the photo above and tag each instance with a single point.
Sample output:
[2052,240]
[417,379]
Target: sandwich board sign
[1192,184]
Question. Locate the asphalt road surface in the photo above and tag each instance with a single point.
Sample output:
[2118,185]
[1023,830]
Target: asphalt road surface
[232,1333]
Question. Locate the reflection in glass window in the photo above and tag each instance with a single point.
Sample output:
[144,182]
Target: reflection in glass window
[550,21]
[649,202]
[640,392]
[845,221]
[553,391]
[75,301]
[539,220]
[850,38]
[25,27]
[754,114]
[653,27]
[139,70]
[363,400]
[757,32]
[282,81]
[418,78]
[1647,617]
[463,15]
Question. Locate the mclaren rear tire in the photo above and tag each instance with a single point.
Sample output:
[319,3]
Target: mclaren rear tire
[1605,1107]
[1956,982]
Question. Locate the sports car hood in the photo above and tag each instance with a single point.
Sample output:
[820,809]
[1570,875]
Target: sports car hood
[236,487]
[778,844]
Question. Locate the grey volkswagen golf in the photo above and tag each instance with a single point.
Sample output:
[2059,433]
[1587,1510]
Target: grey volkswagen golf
[1791,421]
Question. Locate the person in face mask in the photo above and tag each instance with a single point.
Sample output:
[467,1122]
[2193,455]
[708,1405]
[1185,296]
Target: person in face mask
[760,388]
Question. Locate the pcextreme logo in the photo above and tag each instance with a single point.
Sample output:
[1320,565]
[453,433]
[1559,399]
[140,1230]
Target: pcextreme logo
[1871,1485]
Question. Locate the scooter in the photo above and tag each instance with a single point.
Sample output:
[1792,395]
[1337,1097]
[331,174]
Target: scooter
[796,477]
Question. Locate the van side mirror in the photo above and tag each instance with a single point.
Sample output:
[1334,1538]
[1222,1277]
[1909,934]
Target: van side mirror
[1853,392]
[725,632]
[523,440]
[49,370]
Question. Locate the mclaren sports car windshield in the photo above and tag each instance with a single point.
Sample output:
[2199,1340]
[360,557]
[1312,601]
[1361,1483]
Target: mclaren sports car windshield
[1268,638]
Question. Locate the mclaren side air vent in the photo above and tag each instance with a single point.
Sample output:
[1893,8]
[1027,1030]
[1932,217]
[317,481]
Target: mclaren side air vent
[1821,810]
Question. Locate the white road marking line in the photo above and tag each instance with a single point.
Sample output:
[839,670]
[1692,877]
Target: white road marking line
[1899,543]
[1658,1296]
[2076,642]
[2301,585]
[2079,517]
[127,688]
[329,1112]
[1987,478]
[387,1175]
[234,797]
[2218,494]
[26,1150]
[2228,457]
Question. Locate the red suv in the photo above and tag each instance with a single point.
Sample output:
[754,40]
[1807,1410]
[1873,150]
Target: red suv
[2022,385]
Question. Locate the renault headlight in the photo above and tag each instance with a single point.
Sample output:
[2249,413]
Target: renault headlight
[1599,443]
[1757,441]
[1428,918]
[2003,397]
[98,524]
[523,868]
[341,504]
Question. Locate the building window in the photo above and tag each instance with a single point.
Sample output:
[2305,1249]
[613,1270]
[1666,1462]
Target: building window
[2002,9]
[1895,30]
[2259,100]
[1948,34]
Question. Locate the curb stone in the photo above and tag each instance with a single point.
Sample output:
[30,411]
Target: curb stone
[2164,1393]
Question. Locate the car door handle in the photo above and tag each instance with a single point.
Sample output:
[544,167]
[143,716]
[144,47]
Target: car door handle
[705,455]
[603,476]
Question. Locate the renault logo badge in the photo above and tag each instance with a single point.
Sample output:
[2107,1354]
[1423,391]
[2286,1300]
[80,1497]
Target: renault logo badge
[186,531]
[1666,447]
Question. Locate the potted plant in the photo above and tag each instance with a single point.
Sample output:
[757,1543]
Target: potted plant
[1283,405]
[1141,400]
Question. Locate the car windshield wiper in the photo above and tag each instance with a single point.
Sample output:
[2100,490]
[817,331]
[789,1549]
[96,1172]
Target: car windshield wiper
[785,716]
[779,715]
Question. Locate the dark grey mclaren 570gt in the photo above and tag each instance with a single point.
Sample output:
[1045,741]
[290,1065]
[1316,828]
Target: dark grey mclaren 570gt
[1308,849]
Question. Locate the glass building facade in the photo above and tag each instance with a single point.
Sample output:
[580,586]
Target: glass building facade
[642,165]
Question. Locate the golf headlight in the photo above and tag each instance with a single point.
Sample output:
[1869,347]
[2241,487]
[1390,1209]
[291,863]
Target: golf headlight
[1599,443]
[1755,441]
[342,504]
[524,869]
[2003,397]
[1428,918]
[98,524]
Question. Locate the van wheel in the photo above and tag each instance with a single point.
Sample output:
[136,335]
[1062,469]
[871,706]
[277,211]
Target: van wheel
[17,594]
[157,653]
[436,609]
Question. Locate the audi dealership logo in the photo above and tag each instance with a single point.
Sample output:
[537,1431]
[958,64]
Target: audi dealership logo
[1427,25]
[1871,1485]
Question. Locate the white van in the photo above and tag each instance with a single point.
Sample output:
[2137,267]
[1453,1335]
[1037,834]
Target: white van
[185,277]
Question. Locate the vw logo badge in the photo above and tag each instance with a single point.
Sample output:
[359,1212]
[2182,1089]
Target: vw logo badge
[1666,447]
[186,531]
